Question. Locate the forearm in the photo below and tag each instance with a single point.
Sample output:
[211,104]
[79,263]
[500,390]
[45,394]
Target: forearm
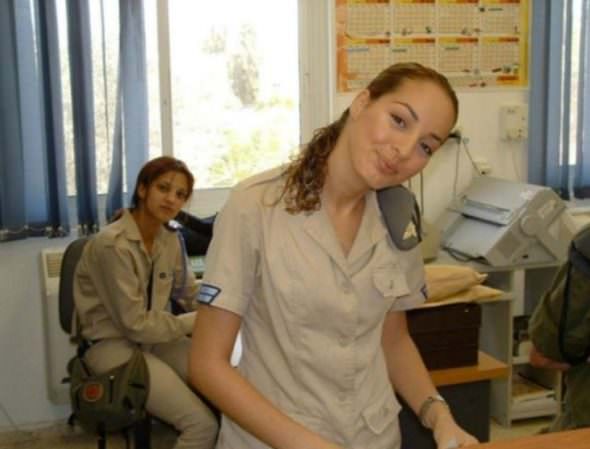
[408,374]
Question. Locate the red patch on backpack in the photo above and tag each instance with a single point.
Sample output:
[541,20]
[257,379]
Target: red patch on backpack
[92,392]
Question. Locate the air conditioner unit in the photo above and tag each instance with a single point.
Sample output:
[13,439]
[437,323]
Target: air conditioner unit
[58,347]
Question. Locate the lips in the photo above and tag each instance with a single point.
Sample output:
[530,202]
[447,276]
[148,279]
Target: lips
[385,166]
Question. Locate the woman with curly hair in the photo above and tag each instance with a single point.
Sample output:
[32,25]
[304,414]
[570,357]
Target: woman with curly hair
[302,265]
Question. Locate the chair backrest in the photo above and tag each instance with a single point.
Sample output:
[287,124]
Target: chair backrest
[69,262]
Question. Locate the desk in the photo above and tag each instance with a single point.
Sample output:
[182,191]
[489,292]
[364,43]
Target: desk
[467,390]
[573,439]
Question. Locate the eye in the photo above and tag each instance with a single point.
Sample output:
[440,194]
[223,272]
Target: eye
[164,188]
[426,149]
[397,120]
[181,195]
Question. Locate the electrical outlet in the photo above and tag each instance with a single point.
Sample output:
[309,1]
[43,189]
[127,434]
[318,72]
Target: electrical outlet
[482,165]
[514,122]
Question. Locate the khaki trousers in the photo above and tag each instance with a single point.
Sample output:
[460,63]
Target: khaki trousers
[170,398]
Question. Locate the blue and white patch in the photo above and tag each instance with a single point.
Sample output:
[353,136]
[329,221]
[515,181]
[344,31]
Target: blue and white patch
[208,293]
[424,291]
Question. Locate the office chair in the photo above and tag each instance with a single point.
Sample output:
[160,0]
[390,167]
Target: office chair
[72,254]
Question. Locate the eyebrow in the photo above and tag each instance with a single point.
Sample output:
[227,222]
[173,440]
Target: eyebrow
[415,116]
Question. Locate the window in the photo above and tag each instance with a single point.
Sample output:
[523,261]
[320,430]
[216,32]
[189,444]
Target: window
[235,87]
[104,20]
[233,106]
[560,97]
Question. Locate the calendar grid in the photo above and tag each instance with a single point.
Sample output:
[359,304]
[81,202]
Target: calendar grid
[475,43]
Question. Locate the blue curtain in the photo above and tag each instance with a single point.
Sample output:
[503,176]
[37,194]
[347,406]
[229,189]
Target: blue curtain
[557,83]
[130,139]
[33,197]
[80,51]
[582,175]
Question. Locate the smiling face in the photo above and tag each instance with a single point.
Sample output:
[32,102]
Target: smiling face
[163,198]
[391,138]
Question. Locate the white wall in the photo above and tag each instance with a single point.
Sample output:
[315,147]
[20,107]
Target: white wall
[23,392]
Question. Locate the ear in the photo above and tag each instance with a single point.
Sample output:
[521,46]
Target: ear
[141,191]
[359,103]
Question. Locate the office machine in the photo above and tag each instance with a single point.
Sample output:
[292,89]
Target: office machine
[505,223]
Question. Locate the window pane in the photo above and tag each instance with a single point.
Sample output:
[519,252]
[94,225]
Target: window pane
[105,60]
[235,86]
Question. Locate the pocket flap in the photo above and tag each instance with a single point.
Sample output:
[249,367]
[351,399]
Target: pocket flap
[390,281]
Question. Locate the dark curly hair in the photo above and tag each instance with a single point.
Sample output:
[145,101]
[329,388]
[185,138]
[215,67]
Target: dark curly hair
[305,175]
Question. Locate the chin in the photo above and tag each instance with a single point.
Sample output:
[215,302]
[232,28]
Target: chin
[381,182]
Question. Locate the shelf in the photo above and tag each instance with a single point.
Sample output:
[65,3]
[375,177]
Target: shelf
[534,408]
[487,368]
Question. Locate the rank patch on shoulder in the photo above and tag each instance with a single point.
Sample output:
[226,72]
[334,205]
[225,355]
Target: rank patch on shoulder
[208,293]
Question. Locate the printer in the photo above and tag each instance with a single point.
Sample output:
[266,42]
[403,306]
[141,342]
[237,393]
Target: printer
[505,223]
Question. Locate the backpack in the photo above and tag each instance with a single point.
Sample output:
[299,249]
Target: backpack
[559,326]
[112,401]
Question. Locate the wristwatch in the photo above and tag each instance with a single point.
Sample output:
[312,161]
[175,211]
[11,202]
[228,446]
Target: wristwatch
[426,406]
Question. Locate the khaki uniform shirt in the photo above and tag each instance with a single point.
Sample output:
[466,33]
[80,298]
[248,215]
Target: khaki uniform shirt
[111,285]
[311,318]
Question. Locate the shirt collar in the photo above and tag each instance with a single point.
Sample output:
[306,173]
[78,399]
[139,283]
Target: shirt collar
[371,231]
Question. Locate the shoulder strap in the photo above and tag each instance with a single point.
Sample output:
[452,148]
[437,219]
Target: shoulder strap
[401,214]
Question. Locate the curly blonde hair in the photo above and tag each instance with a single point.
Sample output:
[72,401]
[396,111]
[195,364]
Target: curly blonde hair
[305,175]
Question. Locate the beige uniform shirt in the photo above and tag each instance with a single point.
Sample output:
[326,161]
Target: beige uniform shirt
[311,318]
[111,285]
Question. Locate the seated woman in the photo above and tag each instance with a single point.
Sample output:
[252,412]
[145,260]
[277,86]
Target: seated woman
[122,286]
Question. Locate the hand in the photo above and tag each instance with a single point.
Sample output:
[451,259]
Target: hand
[448,435]
[537,359]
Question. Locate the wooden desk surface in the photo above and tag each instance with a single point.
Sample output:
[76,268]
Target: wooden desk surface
[487,368]
[574,439]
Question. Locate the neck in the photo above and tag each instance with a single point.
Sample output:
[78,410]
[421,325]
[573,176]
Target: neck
[343,189]
[148,226]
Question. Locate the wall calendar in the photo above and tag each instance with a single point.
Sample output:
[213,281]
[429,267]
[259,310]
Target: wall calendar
[475,43]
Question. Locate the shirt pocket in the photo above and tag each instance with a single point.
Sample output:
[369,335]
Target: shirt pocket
[380,415]
[390,282]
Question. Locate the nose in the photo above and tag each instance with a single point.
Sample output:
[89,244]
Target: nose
[404,144]
[170,197]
